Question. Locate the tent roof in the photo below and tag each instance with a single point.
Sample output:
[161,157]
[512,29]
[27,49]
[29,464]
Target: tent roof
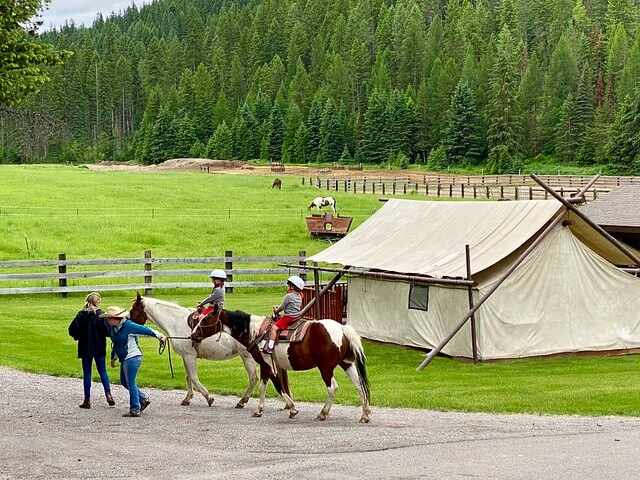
[429,238]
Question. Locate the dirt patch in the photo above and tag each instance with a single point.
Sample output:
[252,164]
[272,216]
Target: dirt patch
[237,167]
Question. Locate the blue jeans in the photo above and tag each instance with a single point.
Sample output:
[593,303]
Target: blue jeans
[128,372]
[87,362]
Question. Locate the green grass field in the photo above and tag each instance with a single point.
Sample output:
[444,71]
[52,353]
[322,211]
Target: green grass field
[113,214]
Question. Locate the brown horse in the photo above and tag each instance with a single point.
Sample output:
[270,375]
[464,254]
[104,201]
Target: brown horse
[326,345]
[277,183]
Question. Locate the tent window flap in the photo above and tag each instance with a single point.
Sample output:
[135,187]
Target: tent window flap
[419,297]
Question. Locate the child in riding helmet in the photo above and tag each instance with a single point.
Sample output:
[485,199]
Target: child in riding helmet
[218,277]
[290,306]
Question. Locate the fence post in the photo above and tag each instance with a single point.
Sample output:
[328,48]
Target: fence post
[530,193]
[228,266]
[450,190]
[62,268]
[462,190]
[147,268]
[303,274]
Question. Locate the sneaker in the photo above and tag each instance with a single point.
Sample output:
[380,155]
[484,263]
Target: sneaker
[110,399]
[144,404]
[85,404]
[131,414]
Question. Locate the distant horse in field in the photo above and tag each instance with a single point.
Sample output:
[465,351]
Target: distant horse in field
[320,202]
[172,318]
[325,345]
[277,183]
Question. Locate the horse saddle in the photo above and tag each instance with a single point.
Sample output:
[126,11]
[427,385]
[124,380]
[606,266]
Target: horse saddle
[294,333]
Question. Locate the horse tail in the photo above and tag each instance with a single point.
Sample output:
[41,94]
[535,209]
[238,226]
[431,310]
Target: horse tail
[355,345]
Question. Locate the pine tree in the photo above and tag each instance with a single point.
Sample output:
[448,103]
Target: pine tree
[300,153]
[313,125]
[220,144]
[463,141]
[624,146]
[504,126]
[332,134]
[275,134]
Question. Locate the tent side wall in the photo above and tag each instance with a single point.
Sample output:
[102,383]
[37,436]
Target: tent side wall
[379,310]
[563,298]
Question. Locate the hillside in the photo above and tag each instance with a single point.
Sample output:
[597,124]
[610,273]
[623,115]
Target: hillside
[452,84]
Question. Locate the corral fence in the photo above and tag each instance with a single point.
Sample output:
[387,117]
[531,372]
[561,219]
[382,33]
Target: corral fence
[146,273]
[514,187]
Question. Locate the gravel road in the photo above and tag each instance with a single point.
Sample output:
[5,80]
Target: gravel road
[45,435]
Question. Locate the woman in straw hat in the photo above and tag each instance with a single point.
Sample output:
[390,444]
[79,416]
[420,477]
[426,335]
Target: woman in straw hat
[91,332]
[124,334]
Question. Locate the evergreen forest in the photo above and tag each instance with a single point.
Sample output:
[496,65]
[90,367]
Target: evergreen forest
[441,83]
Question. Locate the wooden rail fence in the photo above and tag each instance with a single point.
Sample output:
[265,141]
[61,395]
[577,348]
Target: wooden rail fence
[260,272]
[448,190]
[555,181]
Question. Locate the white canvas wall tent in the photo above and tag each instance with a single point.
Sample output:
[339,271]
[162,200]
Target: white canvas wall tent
[567,295]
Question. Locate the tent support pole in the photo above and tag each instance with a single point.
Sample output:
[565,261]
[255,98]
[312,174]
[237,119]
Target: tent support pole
[316,287]
[432,354]
[590,222]
[328,286]
[474,338]
[387,276]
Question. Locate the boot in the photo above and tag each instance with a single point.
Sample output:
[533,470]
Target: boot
[85,404]
[110,399]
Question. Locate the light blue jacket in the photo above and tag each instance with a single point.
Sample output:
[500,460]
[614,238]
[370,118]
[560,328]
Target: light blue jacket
[125,339]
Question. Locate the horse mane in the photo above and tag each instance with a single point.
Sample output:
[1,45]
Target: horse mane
[156,302]
[239,322]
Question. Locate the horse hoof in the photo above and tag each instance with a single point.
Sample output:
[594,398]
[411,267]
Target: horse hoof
[321,417]
[364,420]
[293,413]
[210,401]
[256,414]
[240,405]
[185,403]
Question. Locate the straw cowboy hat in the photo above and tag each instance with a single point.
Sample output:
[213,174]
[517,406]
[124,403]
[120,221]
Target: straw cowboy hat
[115,312]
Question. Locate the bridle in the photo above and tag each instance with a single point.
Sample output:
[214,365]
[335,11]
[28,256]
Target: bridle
[199,328]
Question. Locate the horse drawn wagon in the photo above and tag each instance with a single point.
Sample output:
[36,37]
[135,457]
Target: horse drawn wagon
[328,226]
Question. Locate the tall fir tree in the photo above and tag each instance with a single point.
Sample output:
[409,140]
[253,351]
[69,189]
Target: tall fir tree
[463,141]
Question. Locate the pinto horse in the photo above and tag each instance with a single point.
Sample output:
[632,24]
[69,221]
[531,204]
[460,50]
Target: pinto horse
[326,345]
[172,318]
[320,202]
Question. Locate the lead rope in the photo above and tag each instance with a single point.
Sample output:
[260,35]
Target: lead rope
[162,347]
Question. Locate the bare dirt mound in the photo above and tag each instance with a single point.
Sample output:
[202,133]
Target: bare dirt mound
[238,167]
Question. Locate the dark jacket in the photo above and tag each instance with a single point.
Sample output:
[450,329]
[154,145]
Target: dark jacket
[91,332]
